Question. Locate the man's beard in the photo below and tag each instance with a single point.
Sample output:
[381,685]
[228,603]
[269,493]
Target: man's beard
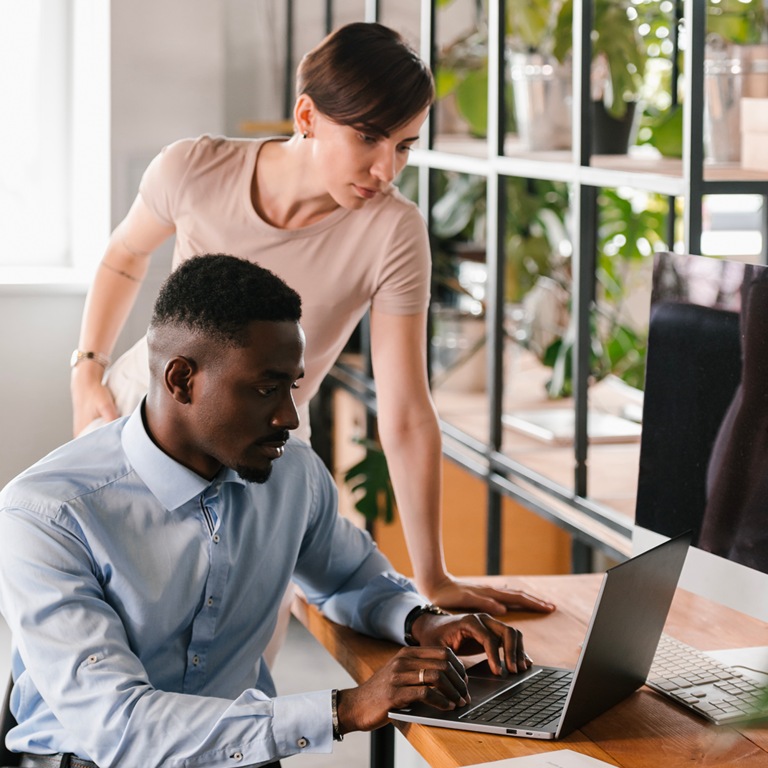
[253,475]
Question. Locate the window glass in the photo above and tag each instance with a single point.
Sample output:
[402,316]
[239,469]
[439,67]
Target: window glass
[34,135]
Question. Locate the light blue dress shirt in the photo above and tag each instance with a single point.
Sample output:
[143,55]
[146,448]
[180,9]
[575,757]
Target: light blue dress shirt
[141,597]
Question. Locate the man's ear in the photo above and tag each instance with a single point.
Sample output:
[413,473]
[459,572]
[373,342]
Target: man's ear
[177,378]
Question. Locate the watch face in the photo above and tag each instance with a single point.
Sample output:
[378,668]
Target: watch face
[97,357]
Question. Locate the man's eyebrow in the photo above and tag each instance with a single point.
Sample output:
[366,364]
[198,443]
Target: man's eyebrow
[281,375]
[410,138]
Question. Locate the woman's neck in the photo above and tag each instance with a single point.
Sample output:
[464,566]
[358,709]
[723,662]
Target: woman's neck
[281,190]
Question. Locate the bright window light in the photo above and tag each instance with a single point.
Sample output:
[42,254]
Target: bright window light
[54,138]
[34,134]
[733,226]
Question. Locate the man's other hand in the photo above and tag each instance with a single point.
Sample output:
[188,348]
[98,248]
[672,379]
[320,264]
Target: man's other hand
[431,675]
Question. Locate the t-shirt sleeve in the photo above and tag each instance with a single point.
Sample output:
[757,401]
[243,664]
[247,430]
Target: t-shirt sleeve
[403,287]
[164,177]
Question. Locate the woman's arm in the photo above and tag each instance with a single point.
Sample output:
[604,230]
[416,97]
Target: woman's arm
[107,306]
[410,435]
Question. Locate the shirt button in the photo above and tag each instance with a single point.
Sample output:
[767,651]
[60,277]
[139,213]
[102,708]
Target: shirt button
[238,756]
[302,742]
[93,658]
[195,660]
[216,538]
[210,601]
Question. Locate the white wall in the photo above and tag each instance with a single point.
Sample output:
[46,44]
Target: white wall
[178,68]
[167,81]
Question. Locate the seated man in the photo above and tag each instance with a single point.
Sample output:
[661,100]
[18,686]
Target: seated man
[142,565]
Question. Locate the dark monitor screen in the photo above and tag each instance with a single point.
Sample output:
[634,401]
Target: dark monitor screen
[704,445]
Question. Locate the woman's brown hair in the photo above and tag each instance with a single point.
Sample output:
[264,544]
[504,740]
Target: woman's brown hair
[365,75]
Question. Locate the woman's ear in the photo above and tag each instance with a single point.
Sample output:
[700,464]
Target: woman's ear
[177,378]
[304,112]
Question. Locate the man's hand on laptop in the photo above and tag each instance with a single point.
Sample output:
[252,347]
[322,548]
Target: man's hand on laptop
[430,675]
[474,633]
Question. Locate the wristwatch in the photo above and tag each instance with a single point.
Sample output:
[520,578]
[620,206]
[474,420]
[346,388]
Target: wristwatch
[79,355]
[420,610]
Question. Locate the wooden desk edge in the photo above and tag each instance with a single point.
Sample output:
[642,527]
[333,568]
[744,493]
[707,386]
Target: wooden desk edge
[361,656]
[625,741]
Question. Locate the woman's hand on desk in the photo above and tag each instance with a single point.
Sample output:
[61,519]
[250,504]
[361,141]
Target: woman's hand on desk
[432,675]
[463,596]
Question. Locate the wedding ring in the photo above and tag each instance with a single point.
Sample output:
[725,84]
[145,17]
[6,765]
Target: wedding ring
[421,676]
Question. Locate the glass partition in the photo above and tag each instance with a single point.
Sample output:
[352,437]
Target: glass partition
[461,78]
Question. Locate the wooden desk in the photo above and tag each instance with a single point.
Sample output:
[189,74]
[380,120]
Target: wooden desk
[644,731]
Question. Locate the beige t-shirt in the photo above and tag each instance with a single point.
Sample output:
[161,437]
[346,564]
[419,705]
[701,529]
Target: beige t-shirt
[376,256]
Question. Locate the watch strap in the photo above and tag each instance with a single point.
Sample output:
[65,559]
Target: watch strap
[414,614]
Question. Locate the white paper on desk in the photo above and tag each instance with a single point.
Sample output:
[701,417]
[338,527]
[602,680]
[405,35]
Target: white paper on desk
[562,758]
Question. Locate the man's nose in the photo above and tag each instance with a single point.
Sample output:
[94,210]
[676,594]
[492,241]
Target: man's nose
[287,415]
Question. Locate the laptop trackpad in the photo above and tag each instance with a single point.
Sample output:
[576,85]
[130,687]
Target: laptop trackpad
[483,682]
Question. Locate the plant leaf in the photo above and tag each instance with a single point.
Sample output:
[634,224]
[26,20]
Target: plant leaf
[472,100]
[369,480]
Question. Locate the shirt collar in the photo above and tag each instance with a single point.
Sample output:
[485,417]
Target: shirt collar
[171,483]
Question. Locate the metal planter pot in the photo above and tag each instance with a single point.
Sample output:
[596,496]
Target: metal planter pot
[543,95]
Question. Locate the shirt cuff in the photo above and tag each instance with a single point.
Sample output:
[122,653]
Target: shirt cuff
[302,723]
[392,614]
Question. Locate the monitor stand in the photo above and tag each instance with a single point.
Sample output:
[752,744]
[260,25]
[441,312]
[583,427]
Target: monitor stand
[752,661]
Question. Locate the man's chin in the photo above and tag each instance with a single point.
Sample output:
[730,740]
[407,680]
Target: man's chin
[254,474]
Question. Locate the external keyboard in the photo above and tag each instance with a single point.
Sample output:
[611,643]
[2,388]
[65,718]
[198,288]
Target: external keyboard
[714,690]
[528,705]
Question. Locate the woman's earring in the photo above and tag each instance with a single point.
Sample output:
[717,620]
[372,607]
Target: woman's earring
[305,134]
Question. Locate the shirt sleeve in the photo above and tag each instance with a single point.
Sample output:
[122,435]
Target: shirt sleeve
[163,180]
[341,570]
[403,285]
[72,658]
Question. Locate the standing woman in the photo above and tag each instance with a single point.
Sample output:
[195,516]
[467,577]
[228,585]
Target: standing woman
[320,210]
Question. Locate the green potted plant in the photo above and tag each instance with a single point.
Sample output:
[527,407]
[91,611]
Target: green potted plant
[735,63]
[539,43]
[618,65]
[535,229]
[541,79]
[734,28]
[461,77]
[627,236]
[461,74]
[741,22]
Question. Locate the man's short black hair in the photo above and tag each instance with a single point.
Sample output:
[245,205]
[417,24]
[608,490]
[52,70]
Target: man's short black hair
[220,295]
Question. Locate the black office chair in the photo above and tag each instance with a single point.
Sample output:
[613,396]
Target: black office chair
[7,759]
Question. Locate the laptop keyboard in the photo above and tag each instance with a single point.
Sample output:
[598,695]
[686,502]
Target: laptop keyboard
[531,704]
[720,693]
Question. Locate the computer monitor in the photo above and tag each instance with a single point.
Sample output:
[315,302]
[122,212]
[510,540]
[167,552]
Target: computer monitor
[704,444]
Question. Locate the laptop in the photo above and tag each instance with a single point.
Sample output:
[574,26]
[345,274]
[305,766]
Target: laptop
[550,702]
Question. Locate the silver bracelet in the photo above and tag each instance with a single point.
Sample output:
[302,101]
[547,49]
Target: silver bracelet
[337,735]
